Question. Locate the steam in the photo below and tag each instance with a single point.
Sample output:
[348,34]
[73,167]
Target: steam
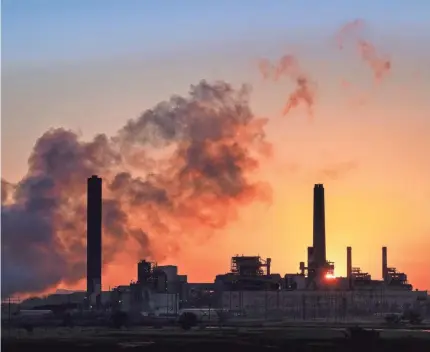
[183,168]
[304,91]
[352,32]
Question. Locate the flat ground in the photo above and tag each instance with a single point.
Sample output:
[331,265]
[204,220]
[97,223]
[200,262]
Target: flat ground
[211,339]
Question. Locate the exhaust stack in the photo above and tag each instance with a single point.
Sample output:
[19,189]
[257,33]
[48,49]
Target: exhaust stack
[94,240]
[348,262]
[319,249]
[268,263]
[384,264]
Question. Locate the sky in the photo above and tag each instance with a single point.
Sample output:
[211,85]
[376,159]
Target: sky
[91,65]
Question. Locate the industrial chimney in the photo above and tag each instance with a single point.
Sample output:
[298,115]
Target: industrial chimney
[94,240]
[348,262]
[319,250]
[268,263]
[384,264]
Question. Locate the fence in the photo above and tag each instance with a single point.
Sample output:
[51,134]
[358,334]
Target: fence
[317,305]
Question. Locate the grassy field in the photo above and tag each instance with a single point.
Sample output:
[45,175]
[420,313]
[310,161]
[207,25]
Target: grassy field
[207,345]
[237,339]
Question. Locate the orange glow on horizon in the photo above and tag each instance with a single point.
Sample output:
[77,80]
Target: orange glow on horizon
[330,276]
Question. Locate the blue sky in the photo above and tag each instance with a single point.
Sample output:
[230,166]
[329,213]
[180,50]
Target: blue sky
[42,31]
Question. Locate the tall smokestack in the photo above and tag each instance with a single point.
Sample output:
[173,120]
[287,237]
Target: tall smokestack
[348,262]
[384,264]
[311,260]
[319,227]
[94,240]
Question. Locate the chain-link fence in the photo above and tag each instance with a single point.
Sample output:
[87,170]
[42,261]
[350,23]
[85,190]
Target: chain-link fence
[317,305]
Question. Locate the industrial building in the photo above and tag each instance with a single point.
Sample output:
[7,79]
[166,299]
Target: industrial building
[315,292]
[250,288]
[318,274]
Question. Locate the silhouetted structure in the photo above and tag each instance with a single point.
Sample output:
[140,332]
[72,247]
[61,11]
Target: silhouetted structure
[250,266]
[94,240]
[348,262]
[384,264]
[318,267]
[319,250]
[247,273]
[392,277]
[144,272]
[250,286]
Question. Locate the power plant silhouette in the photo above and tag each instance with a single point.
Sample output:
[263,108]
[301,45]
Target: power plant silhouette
[247,272]
[250,287]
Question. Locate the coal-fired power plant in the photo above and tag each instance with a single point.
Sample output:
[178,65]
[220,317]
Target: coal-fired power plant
[250,286]
[94,240]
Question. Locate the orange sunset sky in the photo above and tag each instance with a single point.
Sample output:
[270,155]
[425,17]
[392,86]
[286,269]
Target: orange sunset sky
[368,142]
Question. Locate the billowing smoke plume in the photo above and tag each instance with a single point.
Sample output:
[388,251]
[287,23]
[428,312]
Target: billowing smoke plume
[6,191]
[304,91]
[181,169]
[352,32]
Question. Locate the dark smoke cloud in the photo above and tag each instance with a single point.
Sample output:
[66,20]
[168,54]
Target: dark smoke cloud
[183,168]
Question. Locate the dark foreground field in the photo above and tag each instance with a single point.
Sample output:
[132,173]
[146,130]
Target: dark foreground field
[143,339]
[217,345]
